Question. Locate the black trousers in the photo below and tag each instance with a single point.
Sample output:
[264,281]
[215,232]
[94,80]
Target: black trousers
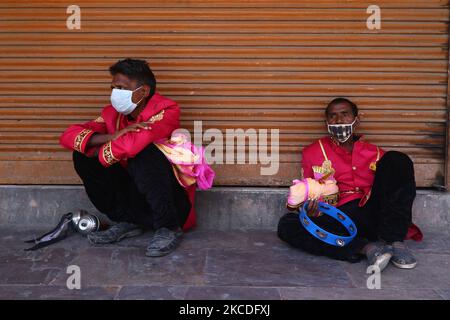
[146,193]
[386,216]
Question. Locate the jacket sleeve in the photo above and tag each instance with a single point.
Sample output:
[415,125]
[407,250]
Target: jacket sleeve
[76,136]
[131,143]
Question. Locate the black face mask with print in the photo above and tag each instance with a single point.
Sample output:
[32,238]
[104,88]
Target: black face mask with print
[341,132]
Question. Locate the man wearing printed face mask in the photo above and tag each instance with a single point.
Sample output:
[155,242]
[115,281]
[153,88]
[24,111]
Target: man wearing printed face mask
[125,175]
[376,190]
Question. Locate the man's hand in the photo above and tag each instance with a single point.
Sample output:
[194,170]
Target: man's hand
[98,139]
[137,127]
[312,210]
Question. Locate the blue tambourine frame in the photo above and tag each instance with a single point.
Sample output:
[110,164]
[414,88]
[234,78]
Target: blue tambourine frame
[325,236]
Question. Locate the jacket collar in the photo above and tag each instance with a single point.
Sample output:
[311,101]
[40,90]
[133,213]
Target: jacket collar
[153,107]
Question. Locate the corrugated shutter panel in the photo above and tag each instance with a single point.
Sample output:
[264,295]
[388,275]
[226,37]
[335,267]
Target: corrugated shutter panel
[231,64]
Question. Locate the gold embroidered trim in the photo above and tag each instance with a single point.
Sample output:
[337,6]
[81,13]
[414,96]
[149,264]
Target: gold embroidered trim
[373,165]
[331,199]
[350,191]
[327,168]
[323,150]
[157,117]
[108,156]
[78,143]
[100,120]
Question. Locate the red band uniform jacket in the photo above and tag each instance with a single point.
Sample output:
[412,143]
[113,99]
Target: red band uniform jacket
[163,116]
[354,172]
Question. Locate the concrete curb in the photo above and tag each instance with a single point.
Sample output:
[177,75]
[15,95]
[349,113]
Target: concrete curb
[221,208]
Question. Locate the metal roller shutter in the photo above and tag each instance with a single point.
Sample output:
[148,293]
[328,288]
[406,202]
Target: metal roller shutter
[232,64]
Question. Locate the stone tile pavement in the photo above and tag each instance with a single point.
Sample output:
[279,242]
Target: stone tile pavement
[209,265]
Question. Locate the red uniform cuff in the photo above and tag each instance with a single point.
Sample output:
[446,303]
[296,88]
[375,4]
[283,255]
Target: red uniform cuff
[80,141]
[106,156]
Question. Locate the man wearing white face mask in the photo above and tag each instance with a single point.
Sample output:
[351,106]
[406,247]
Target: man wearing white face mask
[125,175]
[376,190]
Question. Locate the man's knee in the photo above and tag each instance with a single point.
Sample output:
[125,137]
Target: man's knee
[148,163]
[395,170]
[85,165]
[80,161]
[394,157]
[150,152]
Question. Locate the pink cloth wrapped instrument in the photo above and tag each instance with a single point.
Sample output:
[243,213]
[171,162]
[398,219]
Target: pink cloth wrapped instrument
[188,161]
[311,189]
